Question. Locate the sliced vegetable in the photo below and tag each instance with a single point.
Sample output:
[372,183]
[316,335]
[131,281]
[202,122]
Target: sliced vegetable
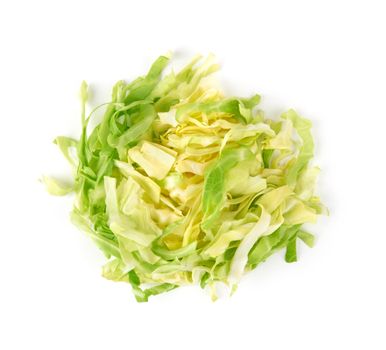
[178,184]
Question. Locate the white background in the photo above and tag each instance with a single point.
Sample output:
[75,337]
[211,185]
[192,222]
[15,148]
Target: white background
[326,59]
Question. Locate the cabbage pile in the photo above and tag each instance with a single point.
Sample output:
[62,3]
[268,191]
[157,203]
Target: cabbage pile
[180,185]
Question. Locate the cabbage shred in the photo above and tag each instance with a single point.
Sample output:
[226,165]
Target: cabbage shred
[180,185]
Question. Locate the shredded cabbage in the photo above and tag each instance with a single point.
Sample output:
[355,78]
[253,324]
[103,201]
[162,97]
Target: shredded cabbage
[180,185]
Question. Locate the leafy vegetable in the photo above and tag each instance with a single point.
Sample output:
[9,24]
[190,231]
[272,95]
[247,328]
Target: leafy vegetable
[178,184]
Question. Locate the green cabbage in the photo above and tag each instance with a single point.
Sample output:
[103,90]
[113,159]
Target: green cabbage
[179,185]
